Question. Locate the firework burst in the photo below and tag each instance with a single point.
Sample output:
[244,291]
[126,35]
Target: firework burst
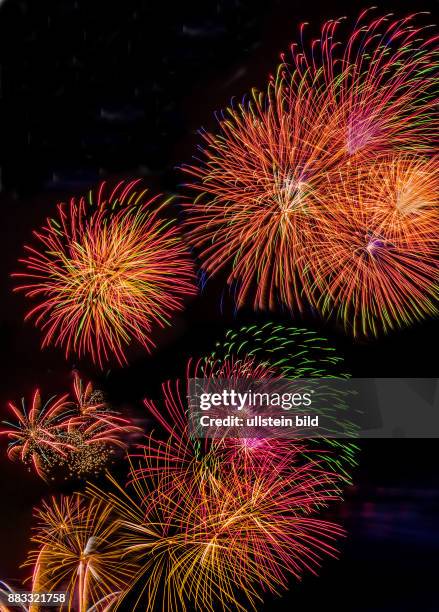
[95,433]
[81,435]
[202,512]
[222,508]
[105,273]
[213,543]
[36,435]
[374,253]
[286,353]
[378,82]
[74,550]
[260,180]
[270,351]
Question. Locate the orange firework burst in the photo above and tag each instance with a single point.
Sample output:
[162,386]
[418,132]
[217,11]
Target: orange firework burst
[36,436]
[75,551]
[106,273]
[252,212]
[216,538]
[374,251]
[262,178]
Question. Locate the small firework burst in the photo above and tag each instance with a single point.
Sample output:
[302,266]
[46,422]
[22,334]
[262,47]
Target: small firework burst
[36,436]
[105,273]
[74,551]
[95,434]
[81,435]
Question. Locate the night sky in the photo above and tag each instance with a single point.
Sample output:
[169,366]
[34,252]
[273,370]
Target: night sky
[100,90]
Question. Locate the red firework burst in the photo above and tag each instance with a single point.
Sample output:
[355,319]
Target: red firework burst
[173,457]
[105,273]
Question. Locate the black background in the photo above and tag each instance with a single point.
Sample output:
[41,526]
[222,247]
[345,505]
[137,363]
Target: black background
[99,90]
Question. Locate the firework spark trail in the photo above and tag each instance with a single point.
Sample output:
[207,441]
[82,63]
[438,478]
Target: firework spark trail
[260,180]
[105,273]
[6,591]
[74,550]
